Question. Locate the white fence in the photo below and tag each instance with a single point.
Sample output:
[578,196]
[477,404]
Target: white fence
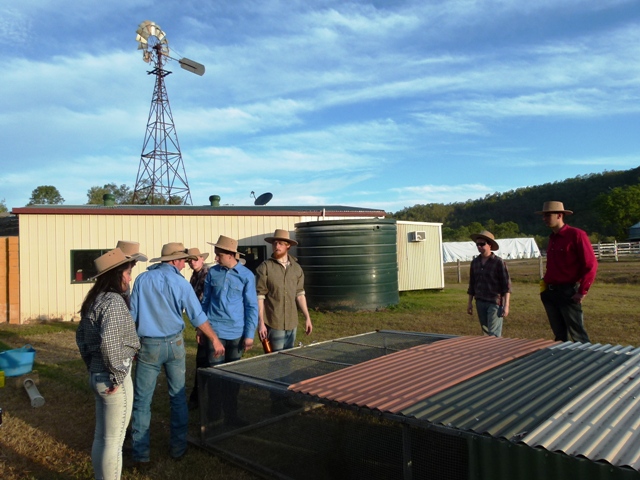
[615,250]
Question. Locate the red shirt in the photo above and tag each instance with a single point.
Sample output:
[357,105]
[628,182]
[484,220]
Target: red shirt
[570,259]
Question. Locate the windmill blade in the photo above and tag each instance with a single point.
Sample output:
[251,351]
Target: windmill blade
[191,66]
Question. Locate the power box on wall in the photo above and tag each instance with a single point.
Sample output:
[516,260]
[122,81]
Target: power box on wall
[417,236]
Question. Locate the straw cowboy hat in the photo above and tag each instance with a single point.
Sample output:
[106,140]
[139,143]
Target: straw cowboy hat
[131,250]
[281,234]
[554,207]
[110,260]
[488,237]
[227,244]
[196,251]
[173,251]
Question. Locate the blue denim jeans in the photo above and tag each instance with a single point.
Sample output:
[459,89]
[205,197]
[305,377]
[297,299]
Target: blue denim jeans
[113,412]
[490,322]
[154,354]
[281,339]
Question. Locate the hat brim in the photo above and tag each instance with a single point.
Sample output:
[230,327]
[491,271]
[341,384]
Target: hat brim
[138,257]
[224,247]
[490,241]
[127,260]
[566,212]
[273,239]
[175,256]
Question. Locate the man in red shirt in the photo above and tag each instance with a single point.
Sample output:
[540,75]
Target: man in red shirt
[571,270]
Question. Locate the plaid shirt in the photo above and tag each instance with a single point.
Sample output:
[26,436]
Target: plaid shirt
[197,281]
[107,337]
[490,281]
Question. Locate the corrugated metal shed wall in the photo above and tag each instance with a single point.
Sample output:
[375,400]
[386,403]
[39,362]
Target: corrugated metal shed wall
[420,264]
[47,239]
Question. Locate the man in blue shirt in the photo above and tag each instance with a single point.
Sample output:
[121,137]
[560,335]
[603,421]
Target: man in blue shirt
[231,305]
[160,296]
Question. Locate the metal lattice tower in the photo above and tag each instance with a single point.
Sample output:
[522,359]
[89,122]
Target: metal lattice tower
[161,178]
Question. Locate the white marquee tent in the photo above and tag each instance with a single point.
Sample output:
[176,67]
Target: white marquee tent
[510,248]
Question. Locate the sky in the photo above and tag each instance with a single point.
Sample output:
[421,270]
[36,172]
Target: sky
[378,104]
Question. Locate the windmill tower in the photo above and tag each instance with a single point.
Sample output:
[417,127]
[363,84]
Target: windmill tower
[161,177]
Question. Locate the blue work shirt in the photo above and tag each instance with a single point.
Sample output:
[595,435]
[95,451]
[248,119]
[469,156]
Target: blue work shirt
[159,297]
[230,301]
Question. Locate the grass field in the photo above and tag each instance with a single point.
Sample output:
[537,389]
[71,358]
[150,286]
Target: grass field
[54,441]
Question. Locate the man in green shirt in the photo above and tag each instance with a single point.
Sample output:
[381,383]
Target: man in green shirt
[280,287]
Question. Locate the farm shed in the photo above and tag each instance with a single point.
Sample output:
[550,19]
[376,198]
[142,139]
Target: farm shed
[57,243]
[420,256]
[392,404]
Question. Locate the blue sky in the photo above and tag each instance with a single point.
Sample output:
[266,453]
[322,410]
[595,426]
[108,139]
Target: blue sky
[381,104]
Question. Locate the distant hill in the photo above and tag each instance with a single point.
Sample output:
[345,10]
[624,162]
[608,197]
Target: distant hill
[577,194]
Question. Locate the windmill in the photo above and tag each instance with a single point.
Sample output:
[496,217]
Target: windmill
[161,178]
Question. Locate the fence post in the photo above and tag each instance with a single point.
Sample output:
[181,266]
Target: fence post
[540,266]
[599,250]
[615,249]
[459,272]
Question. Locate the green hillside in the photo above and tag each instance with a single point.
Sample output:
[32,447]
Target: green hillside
[512,213]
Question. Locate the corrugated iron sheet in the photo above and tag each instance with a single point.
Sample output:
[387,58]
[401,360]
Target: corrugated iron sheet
[602,422]
[399,380]
[515,398]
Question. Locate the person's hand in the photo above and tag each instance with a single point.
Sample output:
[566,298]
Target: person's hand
[262,331]
[308,327]
[470,309]
[248,344]
[506,311]
[111,390]
[200,337]
[218,348]
[577,297]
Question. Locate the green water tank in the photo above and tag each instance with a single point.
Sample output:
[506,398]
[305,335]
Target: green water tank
[349,264]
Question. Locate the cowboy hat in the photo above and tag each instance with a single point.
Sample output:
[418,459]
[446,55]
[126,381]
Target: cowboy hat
[173,251]
[131,250]
[281,234]
[108,261]
[554,207]
[196,251]
[227,244]
[488,236]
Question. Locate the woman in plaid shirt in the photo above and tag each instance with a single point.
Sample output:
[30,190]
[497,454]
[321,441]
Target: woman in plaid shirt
[108,341]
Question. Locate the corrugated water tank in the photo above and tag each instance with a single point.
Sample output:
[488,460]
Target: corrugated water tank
[349,264]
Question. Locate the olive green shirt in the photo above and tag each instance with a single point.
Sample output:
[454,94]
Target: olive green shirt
[279,286]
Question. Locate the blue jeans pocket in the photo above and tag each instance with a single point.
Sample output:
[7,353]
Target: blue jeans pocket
[100,382]
[177,348]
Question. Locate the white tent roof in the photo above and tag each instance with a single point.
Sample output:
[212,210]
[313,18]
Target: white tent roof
[510,248]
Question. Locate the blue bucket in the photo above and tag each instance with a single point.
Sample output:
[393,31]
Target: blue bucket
[17,361]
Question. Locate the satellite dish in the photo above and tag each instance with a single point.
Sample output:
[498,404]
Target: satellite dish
[263,199]
[150,37]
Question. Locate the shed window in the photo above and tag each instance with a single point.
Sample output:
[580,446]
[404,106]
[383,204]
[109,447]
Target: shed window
[82,266]
[253,255]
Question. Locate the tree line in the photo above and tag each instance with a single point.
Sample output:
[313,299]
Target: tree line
[123,195]
[605,205]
